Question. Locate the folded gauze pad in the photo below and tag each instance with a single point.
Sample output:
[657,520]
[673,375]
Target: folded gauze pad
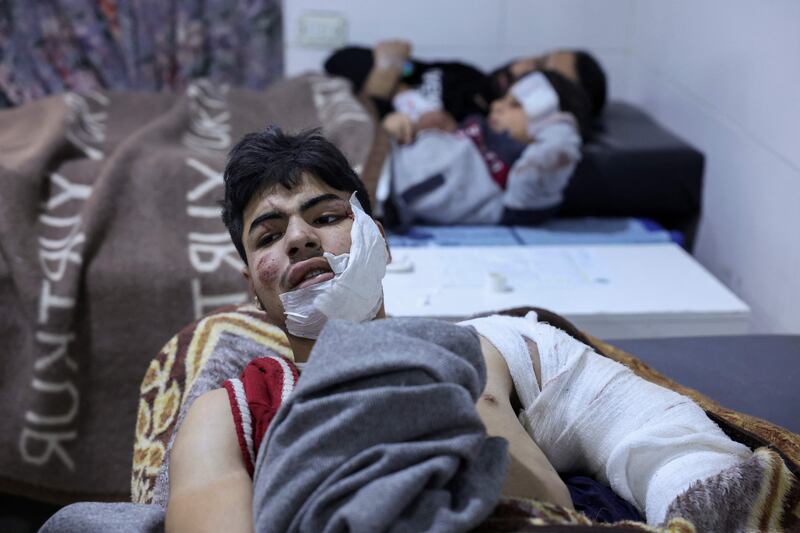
[536,95]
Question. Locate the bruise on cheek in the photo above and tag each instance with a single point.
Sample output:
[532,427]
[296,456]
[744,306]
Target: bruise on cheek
[267,270]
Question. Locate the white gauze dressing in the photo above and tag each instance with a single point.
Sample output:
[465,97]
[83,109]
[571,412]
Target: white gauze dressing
[594,415]
[355,293]
[537,97]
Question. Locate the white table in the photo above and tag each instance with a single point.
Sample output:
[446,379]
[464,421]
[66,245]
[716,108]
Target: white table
[610,291]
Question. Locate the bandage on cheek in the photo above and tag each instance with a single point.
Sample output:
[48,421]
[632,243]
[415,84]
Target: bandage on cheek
[537,96]
[354,294]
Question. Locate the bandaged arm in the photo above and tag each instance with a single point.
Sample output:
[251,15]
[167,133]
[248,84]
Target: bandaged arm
[537,179]
[530,474]
[594,415]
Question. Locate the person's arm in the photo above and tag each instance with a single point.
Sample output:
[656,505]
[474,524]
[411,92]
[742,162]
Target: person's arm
[210,489]
[387,68]
[402,128]
[399,127]
[530,474]
[436,120]
[540,175]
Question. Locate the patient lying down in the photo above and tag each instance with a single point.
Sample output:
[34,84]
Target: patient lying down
[300,219]
[511,167]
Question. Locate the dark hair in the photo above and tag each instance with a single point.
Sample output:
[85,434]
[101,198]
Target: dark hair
[270,158]
[592,79]
[572,99]
[500,79]
[351,62]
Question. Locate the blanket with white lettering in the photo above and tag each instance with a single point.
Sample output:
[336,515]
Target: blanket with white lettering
[110,241]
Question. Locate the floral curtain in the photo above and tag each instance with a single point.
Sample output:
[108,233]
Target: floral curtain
[51,46]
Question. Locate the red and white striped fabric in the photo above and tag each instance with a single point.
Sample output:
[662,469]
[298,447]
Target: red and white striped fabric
[255,398]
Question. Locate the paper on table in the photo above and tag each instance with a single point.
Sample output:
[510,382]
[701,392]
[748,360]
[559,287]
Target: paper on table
[545,268]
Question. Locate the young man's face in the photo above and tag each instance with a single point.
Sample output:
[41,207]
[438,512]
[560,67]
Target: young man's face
[507,115]
[285,234]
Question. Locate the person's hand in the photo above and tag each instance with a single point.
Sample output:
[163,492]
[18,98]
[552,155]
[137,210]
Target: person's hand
[387,67]
[400,127]
[391,54]
[437,120]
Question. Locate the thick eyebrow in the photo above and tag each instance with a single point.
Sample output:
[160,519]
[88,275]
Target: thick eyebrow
[308,204]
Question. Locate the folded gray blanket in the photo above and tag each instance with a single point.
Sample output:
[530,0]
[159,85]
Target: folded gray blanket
[97,517]
[381,434]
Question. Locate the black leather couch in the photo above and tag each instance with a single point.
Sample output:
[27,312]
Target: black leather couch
[633,167]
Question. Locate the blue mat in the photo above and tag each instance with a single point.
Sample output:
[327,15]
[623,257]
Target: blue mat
[557,231]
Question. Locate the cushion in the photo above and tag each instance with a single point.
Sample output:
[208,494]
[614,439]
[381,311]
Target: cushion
[633,167]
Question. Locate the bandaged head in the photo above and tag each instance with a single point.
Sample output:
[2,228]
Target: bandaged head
[538,98]
[356,291]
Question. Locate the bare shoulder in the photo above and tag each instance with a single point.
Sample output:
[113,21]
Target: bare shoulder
[207,436]
[210,489]
[498,378]
[530,474]
[498,375]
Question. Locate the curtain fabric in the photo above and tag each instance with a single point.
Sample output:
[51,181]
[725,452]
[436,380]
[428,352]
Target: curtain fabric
[150,45]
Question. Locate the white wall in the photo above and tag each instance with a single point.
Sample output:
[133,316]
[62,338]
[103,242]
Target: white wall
[726,76]
[723,75]
[486,33]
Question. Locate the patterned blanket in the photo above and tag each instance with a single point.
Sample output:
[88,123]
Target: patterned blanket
[110,242]
[762,495]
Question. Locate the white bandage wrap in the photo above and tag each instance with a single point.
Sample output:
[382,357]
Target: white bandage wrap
[355,293]
[504,333]
[595,415]
[536,95]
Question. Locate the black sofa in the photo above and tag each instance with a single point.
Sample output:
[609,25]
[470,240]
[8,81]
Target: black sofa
[633,167]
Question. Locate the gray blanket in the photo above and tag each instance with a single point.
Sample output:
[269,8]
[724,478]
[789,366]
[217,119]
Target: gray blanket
[381,434]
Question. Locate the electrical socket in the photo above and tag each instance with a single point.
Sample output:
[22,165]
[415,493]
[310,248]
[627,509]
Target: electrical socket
[322,30]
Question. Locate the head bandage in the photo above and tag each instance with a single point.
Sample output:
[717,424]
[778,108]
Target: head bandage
[355,293]
[537,96]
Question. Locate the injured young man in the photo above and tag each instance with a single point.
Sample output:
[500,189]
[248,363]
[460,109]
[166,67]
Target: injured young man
[315,259]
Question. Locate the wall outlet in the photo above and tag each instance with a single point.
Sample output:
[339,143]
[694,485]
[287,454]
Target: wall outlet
[322,30]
